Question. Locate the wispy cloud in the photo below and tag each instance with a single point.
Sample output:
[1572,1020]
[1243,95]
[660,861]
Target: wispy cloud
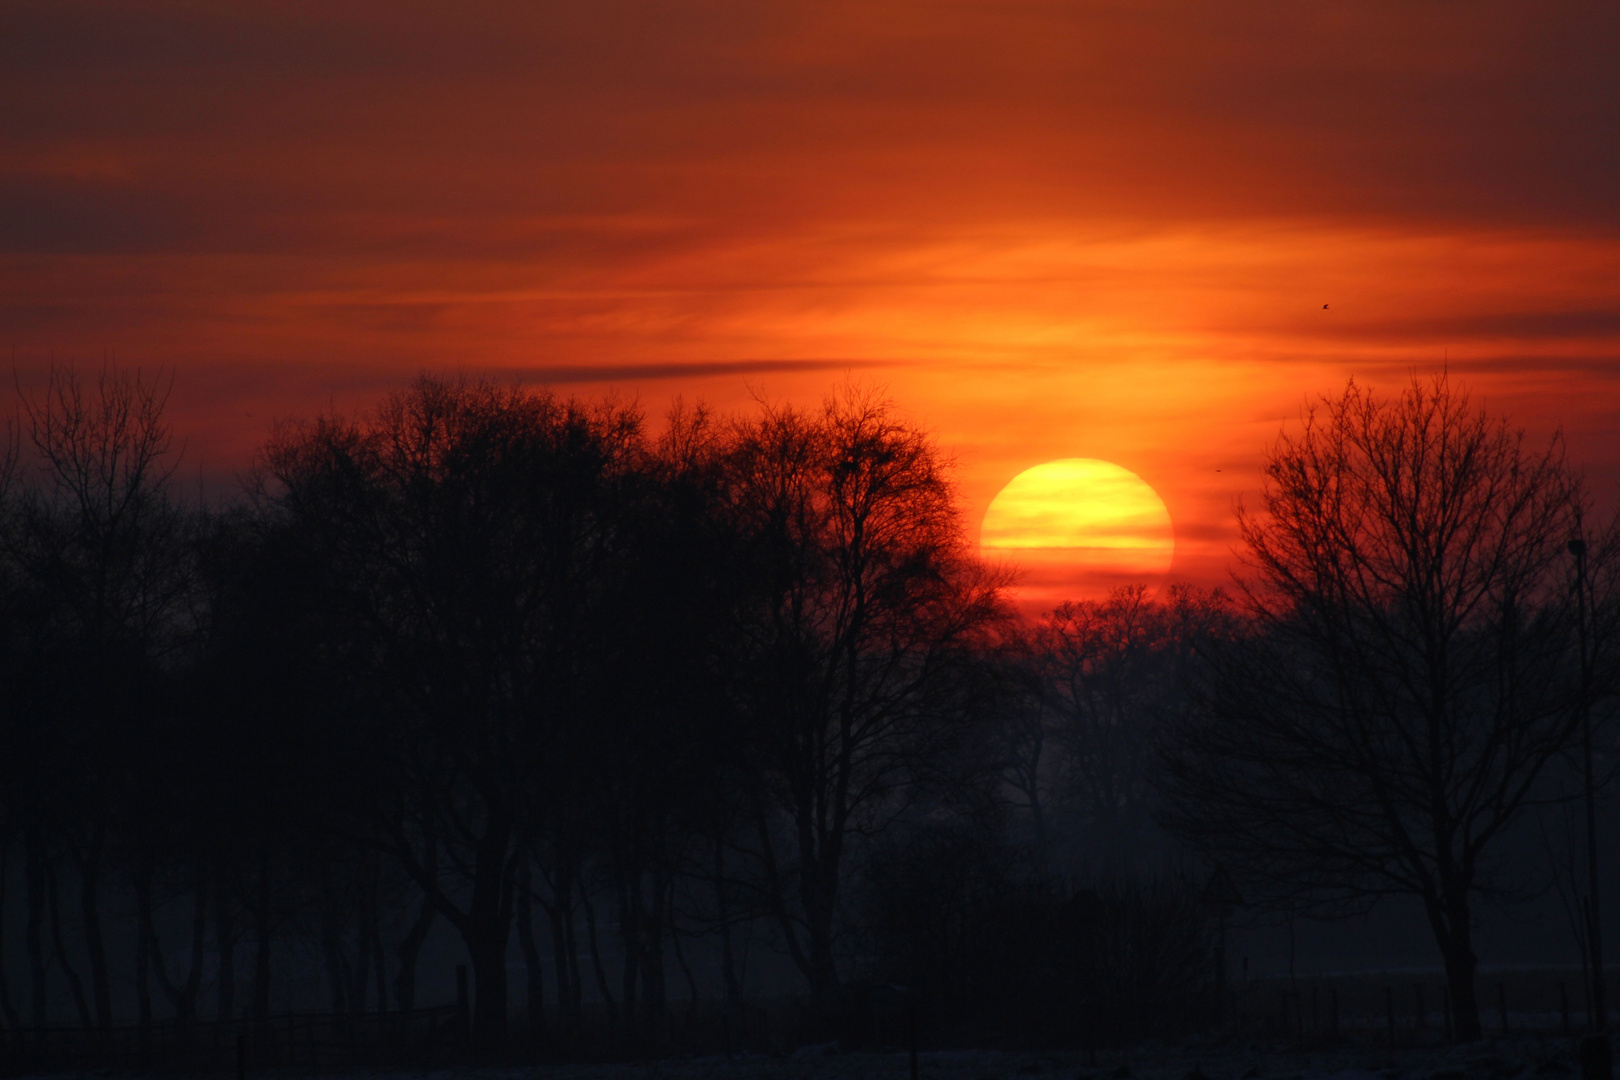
[1053,229]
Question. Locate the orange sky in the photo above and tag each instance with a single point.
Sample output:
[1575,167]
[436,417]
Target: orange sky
[1050,229]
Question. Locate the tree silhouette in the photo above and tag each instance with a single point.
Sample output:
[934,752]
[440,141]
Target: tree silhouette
[14,761]
[488,658]
[462,532]
[668,727]
[861,631]
[103,557]
[286,773]
[1105,675]
[1408,675]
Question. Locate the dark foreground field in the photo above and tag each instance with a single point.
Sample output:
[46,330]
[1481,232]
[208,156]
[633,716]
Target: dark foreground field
[1528,1058]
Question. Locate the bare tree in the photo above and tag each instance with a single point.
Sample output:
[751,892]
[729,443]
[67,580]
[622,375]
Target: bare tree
[1408,674]
[860,639]
[461,532]
[106,553]
[13,763]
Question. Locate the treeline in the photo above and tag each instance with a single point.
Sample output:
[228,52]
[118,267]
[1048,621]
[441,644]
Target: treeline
[489,659]
[494,659]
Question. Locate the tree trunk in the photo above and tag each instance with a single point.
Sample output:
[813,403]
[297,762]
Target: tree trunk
[565,944]
[486,931]
[816,893]
[630,936]
[185,998]
[576,981]
[534,1002]
[8,1007]
[94,940]
[686,969]
[59,950]
[486,949]
[225,949]
[262,930]
[672,933]
[1461,967]
[405,977]
[1037,820]
[149,954]
[365,927]
[36,926]
[596,961]
[654,982]
[1450,919]
[485,926]
[564,949]
[722,907]
[379,959]
[332,953]
[143,956]
[184,995]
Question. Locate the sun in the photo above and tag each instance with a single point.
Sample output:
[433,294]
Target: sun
[1076,528]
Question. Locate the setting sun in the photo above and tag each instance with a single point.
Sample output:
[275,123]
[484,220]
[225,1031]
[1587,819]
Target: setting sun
[1075,528]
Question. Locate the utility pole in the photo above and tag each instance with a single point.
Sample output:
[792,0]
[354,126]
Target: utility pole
[1594,920]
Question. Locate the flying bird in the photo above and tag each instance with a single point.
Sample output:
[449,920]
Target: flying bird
[1324,307]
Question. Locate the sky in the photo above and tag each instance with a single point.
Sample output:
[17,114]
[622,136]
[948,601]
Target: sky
[1145,232]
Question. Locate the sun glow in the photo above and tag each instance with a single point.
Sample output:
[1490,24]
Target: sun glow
[1075,528]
